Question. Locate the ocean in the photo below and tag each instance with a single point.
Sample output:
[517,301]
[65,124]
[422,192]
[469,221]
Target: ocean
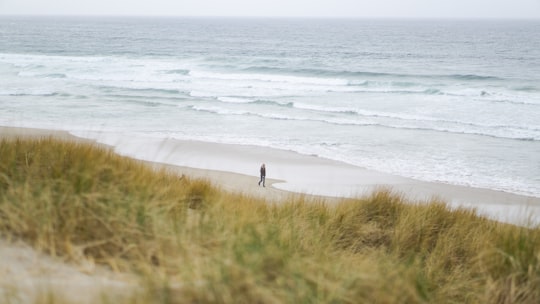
[453,101]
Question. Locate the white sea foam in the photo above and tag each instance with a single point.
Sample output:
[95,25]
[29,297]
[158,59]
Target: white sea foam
[235,99]
[270,78]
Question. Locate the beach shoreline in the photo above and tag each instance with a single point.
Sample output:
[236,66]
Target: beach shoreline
[235,168]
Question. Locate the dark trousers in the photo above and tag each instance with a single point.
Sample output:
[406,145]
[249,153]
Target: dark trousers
[262,180]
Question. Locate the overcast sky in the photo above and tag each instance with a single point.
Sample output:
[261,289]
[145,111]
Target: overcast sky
[281,8]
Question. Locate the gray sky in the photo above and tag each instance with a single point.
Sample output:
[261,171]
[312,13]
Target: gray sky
[287,8]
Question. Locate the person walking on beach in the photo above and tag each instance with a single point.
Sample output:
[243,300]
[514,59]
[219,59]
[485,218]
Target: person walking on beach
[263,175]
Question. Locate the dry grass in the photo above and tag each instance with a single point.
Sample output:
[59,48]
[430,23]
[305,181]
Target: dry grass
[191,242]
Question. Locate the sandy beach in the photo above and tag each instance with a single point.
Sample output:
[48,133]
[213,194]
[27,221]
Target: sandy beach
[235,168]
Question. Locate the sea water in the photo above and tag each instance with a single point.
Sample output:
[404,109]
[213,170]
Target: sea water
[454,101]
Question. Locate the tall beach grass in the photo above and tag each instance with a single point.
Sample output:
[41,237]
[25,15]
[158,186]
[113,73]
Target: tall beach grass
[188,241]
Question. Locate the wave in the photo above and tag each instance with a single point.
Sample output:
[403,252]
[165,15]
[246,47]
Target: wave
[145,102]
[253,89]
[52,75]
[270,80]
[42,75]
[315,76]
[138,98]
[282,78]
[407,122]
[201,94]
[504,95]
[321,72]
[223,111]
[363,113]
[240,100]
[383,90]
[177,72]
[333,83]
[55,75]
[21,93]
[423,119]
[217,110]
[527,89]
[110,89]
[364,74]
[235,100]
[477,94]
[514,102]
[471,77]
[465,131]
[354,116]
[317,108]
[274,103]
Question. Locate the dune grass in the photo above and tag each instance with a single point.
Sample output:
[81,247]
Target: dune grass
[190,242]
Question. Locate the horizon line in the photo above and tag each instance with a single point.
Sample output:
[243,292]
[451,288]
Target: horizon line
[277,17]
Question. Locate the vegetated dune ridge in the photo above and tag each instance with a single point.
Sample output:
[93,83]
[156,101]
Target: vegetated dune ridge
[175,239]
